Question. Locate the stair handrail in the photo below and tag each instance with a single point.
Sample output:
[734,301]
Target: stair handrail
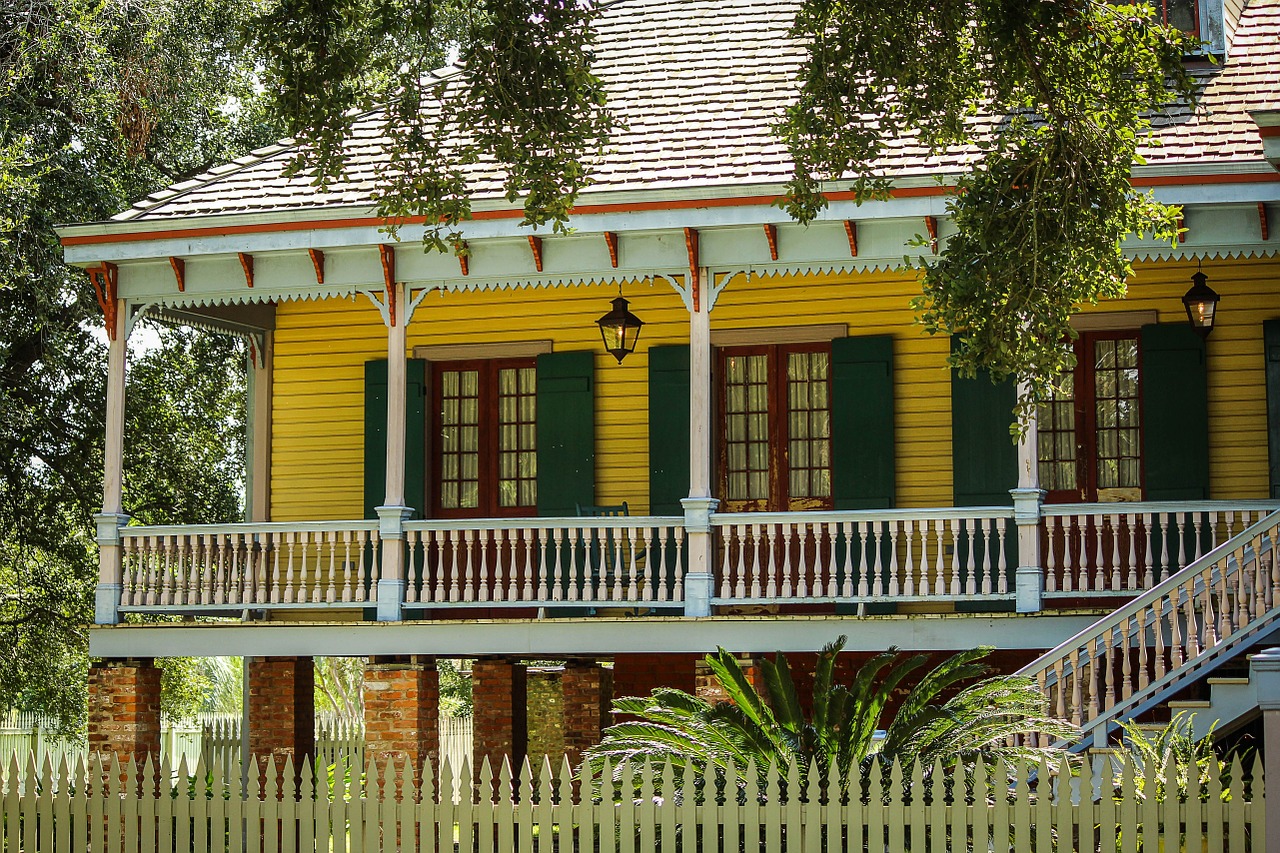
[1166,598]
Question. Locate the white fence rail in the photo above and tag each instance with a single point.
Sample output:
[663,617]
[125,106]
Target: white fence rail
[544,562]
[1121,548]
[108,807]
[269,565]
[903,555]
[1164,636]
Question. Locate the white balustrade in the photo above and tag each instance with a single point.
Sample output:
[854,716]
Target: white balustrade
[270,565]
[544,562]
[1123,548]
[1166,634]
[859,556]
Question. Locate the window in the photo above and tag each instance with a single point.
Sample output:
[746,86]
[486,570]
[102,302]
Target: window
[486,459]
[775,427]
[1181,15]
[1090,434]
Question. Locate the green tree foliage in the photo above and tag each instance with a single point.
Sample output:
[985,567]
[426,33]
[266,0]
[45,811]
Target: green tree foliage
[957,711]
[523,95]
[1046,102]
[1051,99]
[100,104]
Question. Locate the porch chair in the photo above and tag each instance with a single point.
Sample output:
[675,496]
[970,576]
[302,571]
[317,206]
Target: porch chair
[604,569]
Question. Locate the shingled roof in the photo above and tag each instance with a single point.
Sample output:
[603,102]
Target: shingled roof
[698,85]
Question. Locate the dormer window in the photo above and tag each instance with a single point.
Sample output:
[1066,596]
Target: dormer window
[1181,14]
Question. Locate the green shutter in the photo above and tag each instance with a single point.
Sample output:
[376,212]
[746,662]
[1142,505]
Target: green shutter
[862,446]
[984,462]
[566,432]
[984,458]
[1271,354]
[668,429]
[1175,413]
[375,436]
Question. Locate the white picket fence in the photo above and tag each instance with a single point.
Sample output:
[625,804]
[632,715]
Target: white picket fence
[25,732]
[108,807]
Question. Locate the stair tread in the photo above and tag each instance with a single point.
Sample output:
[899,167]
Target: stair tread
[1190,703]
[1228,680]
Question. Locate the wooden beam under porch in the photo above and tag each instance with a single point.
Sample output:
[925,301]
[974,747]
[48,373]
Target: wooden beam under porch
[599,636]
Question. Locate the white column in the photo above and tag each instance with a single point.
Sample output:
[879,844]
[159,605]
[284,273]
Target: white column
[258,437]
[700,504]
[112,517]
[393,513]
[1027,497]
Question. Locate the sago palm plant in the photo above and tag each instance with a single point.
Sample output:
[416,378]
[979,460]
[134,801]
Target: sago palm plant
[840,734]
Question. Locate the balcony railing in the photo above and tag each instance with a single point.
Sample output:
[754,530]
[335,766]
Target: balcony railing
[903,555]
[641,564]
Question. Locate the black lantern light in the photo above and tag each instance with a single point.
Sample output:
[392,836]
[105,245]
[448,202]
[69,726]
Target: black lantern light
[620,329]
[1202,304]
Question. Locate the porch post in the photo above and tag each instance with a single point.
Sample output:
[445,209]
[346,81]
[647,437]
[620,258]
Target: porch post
[1027,497]
[393,513]
[110,559]
[258,438]
[1264,672]
[698,583]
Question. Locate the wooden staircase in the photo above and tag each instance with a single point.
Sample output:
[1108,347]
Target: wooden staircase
[1195,628]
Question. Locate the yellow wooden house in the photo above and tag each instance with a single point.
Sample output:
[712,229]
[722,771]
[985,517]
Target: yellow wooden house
[445,460]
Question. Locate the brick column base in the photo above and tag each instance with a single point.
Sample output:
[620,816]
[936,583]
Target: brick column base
[588,697]
[124,708]
[500,724]
[402,710]
[709,686]
[282,708]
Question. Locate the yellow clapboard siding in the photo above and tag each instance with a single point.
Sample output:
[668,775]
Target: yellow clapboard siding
[321,347]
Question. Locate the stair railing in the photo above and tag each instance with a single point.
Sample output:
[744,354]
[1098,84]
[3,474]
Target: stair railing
[1164,638]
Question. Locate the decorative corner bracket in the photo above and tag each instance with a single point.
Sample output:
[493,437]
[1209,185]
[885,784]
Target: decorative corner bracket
[317,261]
[1262,221]
[851,231]
[931,225]
[388,255]
[246,263]
[1182,230]
[105,280]
[134,316]
[771,235]
[695,284]
[179,272]
[611,240]
[257,349]
[535,243]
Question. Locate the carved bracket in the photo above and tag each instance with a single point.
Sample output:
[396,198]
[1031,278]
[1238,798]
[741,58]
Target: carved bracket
[611,240]
[931,225]
[317,261]
[695,285]
[535,243]
[1262,221]
[771,235]
[257,349]
[246,263]
[179,272]
[105,281]
[388,256]
[851,231]
[1182,230]
[464,257]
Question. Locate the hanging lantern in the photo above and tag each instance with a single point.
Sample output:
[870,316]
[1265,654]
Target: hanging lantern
[1202,304]
[620,329]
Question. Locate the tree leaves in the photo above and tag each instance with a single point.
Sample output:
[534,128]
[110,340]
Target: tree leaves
[1040,108]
